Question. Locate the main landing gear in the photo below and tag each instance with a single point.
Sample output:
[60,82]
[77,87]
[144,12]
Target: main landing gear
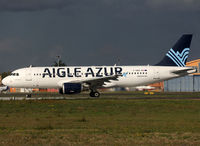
[28,95]
[94,94]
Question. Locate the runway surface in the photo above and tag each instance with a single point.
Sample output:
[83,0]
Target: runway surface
[81,98]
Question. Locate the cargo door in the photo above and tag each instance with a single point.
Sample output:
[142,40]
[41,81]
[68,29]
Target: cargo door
[156,74]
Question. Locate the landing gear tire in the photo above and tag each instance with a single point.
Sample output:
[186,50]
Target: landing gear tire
[94,94]
[28,95]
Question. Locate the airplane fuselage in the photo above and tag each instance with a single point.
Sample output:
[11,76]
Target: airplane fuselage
[54,77]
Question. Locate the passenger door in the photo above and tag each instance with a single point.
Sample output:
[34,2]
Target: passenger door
[28,75]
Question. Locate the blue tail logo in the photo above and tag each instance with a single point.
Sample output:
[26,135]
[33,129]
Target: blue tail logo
[178,58]
[178,54]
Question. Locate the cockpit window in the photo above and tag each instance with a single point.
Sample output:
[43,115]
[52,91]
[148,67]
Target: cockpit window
[14,74]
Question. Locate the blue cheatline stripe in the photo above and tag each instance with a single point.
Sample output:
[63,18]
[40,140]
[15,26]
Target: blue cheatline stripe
[185,57]
[176,55]
[175,58]
[186,49]
[180,55]
[186,54]
[172,59]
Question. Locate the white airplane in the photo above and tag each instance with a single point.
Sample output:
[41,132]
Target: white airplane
[71,80]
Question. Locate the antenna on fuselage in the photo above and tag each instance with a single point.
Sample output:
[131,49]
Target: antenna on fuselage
[118,62]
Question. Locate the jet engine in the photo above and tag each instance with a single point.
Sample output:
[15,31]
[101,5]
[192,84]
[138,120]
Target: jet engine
[70,88]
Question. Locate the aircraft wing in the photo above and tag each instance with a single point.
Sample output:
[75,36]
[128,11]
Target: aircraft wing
[184,71]
[97,82]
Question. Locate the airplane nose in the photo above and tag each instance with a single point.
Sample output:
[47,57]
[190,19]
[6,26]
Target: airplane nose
[5,81]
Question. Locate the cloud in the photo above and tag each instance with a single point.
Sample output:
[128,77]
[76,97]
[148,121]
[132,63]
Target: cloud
[88,5]
[56,51]
[32,5]
[11,44]
[174,4]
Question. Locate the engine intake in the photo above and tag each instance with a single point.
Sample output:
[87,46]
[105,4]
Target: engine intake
[70,88]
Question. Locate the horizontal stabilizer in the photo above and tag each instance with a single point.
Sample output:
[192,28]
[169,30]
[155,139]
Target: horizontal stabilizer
[185,71]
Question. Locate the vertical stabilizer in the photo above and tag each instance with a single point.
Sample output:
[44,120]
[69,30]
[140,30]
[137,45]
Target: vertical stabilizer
[178,54]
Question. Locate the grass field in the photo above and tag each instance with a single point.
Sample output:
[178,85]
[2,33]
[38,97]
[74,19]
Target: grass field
[100,122]
[114,95]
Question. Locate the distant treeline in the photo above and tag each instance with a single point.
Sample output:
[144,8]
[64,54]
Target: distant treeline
[4,74]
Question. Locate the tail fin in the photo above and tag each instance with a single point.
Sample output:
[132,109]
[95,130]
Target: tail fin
[178,54]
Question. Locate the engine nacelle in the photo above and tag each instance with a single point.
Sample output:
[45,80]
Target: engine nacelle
[70,88]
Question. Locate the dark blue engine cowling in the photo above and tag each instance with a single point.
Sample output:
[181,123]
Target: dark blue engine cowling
[71,88]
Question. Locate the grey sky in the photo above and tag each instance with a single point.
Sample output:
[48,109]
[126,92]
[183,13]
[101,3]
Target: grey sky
[88,32]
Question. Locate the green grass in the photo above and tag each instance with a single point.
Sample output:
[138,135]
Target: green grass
[100,122]
[121,94]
